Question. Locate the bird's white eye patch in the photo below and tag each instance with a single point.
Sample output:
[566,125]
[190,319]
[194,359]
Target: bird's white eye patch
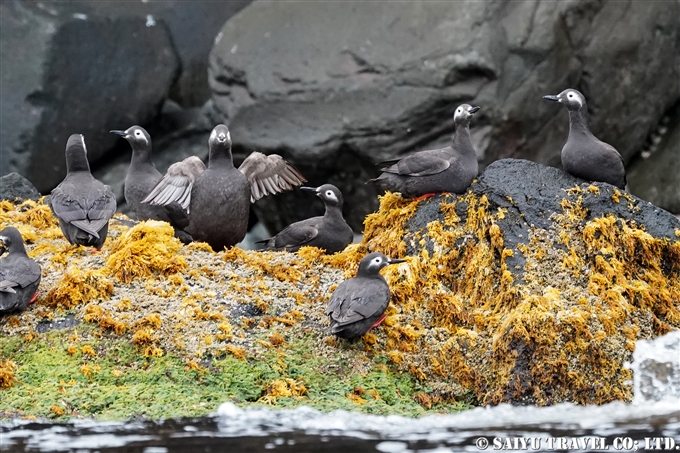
[330,195]
[138,133]
[573,96]
[228,135]
[376,262]
[82,139]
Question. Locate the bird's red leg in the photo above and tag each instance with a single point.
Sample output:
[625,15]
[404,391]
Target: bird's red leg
[34,298]
[93,251]
[425,196]
[377,323]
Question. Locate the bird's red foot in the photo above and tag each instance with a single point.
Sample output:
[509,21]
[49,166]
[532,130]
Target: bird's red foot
[93,251]
[377,323]
[34,298]
[425,196]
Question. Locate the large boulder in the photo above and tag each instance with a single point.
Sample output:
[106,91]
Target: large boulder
[192,26]
[14,187]
[75,73]
[370,81]
[532,287]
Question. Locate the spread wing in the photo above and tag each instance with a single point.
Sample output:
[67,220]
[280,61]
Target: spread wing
[422,163]
[89,211]
[268,175]
[351,302]
[20,273]
[176,184]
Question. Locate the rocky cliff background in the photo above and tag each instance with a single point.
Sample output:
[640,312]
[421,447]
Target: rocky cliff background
[336,86]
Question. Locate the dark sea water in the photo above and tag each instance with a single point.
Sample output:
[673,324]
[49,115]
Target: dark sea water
[617,426]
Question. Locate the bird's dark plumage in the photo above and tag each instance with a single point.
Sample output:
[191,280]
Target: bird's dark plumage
[584,155]
[142,176]
[358,303]
[19,274]
[329,232]
[449,169]
[82,204]
[218,197]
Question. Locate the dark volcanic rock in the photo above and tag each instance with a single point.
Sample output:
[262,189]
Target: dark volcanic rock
[76,74]
[192,25]
[537,192]
[383,79]
[531,193]
[15,187]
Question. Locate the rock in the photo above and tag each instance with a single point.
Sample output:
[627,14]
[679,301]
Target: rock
[77,74]
[15,187]
[461,327]
[379,81]
[531,194]
[192,26]
[654,176]
[527,281]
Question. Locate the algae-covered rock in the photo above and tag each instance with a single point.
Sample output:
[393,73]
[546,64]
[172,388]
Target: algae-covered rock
[532,287]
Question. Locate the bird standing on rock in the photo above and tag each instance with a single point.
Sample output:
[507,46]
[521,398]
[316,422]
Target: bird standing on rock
[449,169]
[358,304]
[142,177]
[584,155]
[19,274]
[329,232]
[218,198]
[82,204]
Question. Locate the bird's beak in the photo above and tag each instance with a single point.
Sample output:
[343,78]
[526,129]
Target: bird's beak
[121,133]
[3,247]
[221,138]
[394,261]
[551,98]
[308,189]
[474,109]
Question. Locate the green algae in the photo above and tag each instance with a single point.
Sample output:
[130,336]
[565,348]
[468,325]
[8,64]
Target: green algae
[58,380]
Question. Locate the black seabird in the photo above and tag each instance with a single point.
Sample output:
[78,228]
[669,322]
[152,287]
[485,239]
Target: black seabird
[584,155]
[141,177]
[329,232]
[449,169]
[218,197]
[19,274]
[359,304]
[82,204]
